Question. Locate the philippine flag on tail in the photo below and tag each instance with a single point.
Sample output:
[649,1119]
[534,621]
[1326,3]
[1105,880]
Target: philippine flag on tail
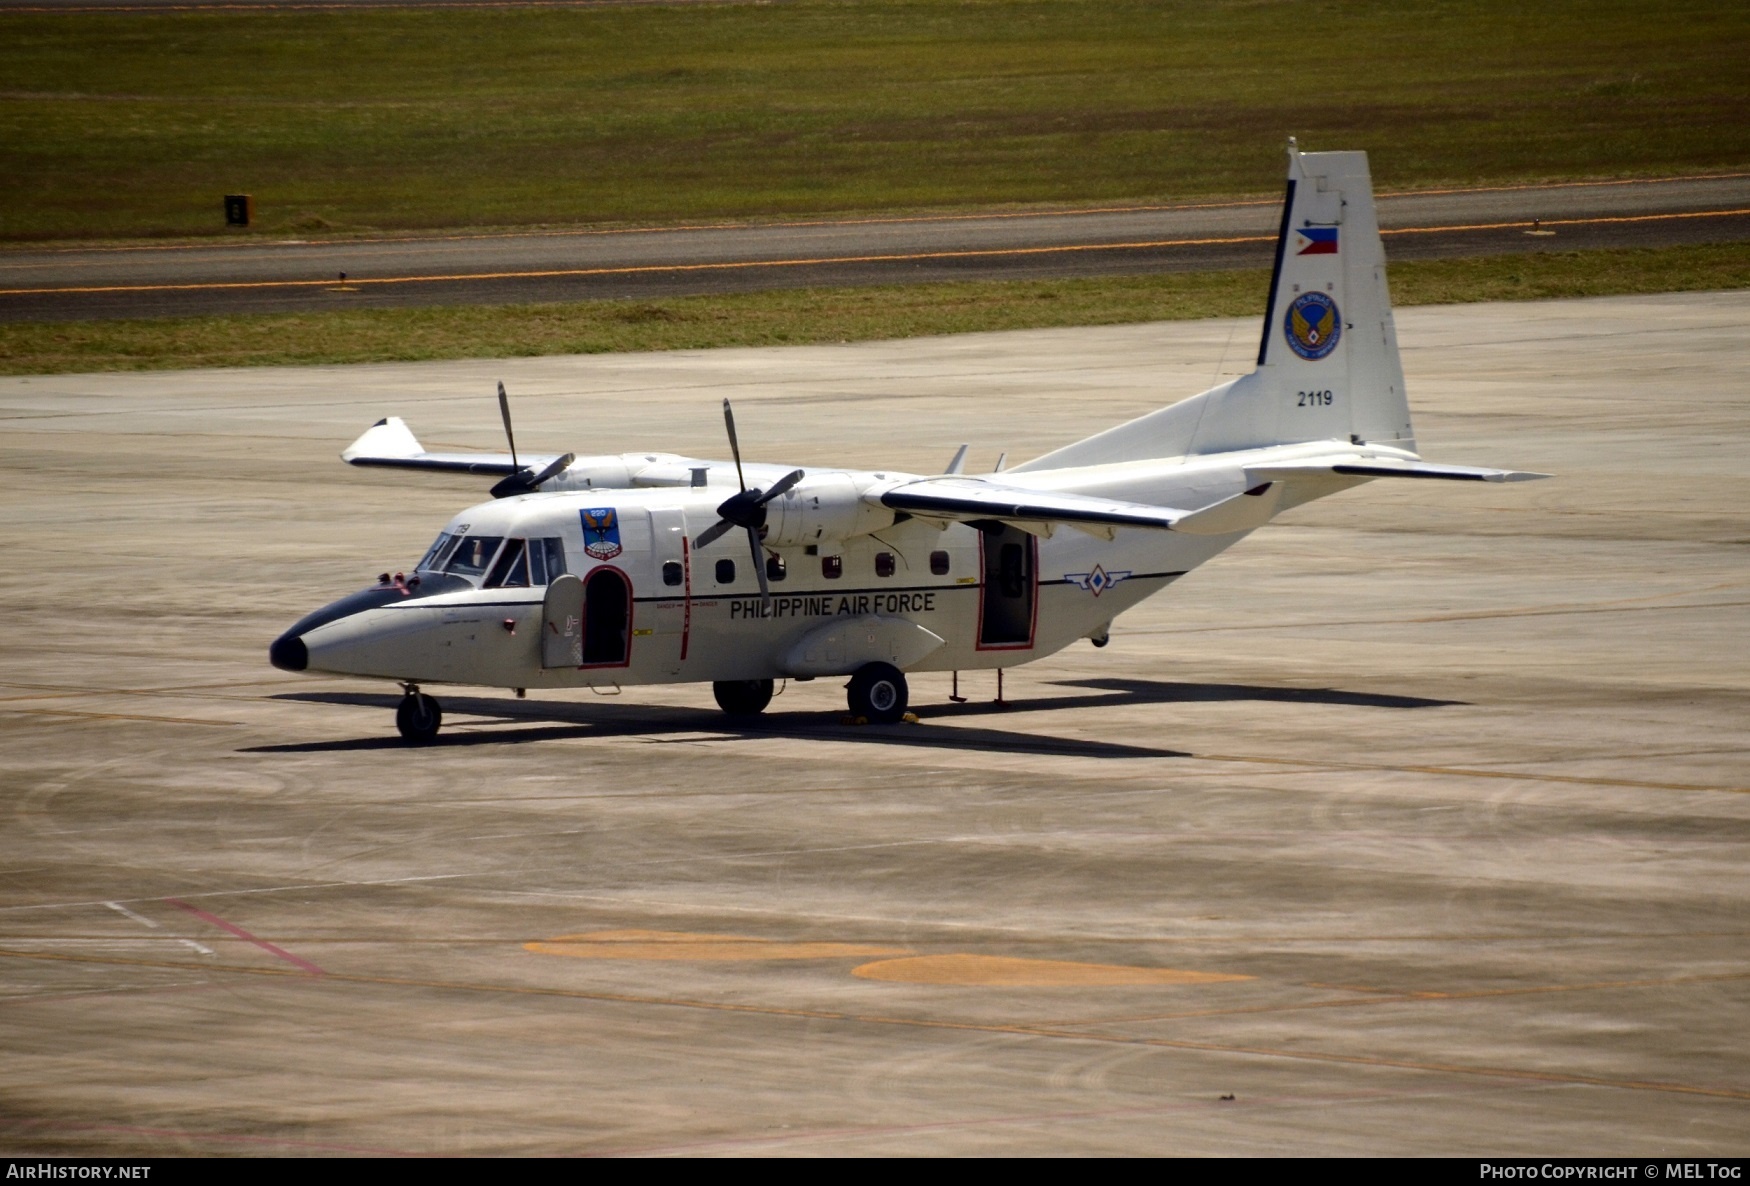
[1317,240]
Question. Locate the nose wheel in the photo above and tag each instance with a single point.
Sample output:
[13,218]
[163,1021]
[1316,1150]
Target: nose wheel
[877,693]
[418,716]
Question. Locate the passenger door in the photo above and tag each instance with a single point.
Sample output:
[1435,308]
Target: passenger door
[562,623]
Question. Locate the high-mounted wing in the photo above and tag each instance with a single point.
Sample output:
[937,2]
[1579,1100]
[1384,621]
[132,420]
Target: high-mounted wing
[972,499]
[389,442]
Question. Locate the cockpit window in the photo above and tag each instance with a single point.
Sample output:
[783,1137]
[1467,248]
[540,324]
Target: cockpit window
[552,552]
[525,563]
[473,554]
[440,552]
[512,569]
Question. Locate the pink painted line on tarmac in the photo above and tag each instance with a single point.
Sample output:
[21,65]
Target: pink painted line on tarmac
[243,934]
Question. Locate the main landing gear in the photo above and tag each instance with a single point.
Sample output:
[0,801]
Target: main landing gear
[418,716]
[877,693]
[742,697]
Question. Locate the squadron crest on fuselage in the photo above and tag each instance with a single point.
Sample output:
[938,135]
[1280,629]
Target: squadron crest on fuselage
[601,532]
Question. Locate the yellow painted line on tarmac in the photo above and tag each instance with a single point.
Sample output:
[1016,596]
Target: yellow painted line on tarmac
[819,261]
[311,983]
[999,971]
[1549,222]
[685,945]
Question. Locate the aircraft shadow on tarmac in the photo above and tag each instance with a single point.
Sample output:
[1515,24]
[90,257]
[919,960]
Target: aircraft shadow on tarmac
[530,721]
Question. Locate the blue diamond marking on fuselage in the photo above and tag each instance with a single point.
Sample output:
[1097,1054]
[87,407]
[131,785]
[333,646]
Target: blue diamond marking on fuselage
[1097,581]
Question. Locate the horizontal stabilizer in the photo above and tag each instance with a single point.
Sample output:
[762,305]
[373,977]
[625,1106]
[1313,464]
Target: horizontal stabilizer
[1389,467]
[1246,511]
[390,443]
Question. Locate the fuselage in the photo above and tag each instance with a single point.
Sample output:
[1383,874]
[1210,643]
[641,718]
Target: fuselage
[657,609]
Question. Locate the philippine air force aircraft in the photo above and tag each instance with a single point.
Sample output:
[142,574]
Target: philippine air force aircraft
[647,568]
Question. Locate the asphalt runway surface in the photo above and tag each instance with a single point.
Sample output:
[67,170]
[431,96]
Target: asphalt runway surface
[1418,823]
[291,275]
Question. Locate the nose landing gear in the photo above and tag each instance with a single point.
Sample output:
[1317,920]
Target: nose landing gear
[418,716]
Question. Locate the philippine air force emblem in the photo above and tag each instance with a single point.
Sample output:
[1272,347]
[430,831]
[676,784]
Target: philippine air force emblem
[601,533]
[1312,325]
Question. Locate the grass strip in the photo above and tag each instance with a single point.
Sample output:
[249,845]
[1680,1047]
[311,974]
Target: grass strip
[801,316]
[122,124]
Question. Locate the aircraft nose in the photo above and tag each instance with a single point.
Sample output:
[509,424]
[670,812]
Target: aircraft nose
[288,652]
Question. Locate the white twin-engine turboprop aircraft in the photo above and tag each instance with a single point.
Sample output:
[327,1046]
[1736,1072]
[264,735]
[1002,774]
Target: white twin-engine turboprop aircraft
[636,569]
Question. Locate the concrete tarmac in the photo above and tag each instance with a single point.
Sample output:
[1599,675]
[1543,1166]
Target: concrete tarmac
[1419,823]
[291,275]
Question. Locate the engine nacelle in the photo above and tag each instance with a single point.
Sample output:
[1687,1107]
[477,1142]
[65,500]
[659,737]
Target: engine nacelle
[821,510]
[608,472]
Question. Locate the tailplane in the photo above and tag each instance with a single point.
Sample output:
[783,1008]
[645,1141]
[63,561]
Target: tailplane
[1328,359]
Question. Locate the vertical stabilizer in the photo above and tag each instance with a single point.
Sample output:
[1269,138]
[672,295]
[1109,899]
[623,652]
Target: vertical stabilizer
[1328,358]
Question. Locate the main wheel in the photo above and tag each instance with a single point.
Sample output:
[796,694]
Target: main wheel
[878,693]
[418,717]
[742,697]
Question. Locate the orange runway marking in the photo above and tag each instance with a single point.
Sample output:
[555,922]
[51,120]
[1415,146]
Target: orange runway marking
[742,265]
[1022,1031]
[1000,971]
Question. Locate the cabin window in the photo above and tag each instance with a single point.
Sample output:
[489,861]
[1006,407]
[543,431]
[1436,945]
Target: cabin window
[939,563]
[884,565]
[726,572]
[672,573]
[512,569]
[832,567]
[473,555]
[433,561]
[775,568]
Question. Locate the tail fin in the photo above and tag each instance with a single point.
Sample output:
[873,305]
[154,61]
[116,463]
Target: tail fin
[1328,360]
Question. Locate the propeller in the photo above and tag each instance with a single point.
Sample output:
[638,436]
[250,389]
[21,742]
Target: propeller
[746,508]
[522,481]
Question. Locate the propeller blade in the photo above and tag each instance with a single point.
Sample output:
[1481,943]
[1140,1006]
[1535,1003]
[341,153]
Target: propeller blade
[734,445]
[526,482]
[781,485]
[759,566]
[711,534]
[554,469]
[504,410]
